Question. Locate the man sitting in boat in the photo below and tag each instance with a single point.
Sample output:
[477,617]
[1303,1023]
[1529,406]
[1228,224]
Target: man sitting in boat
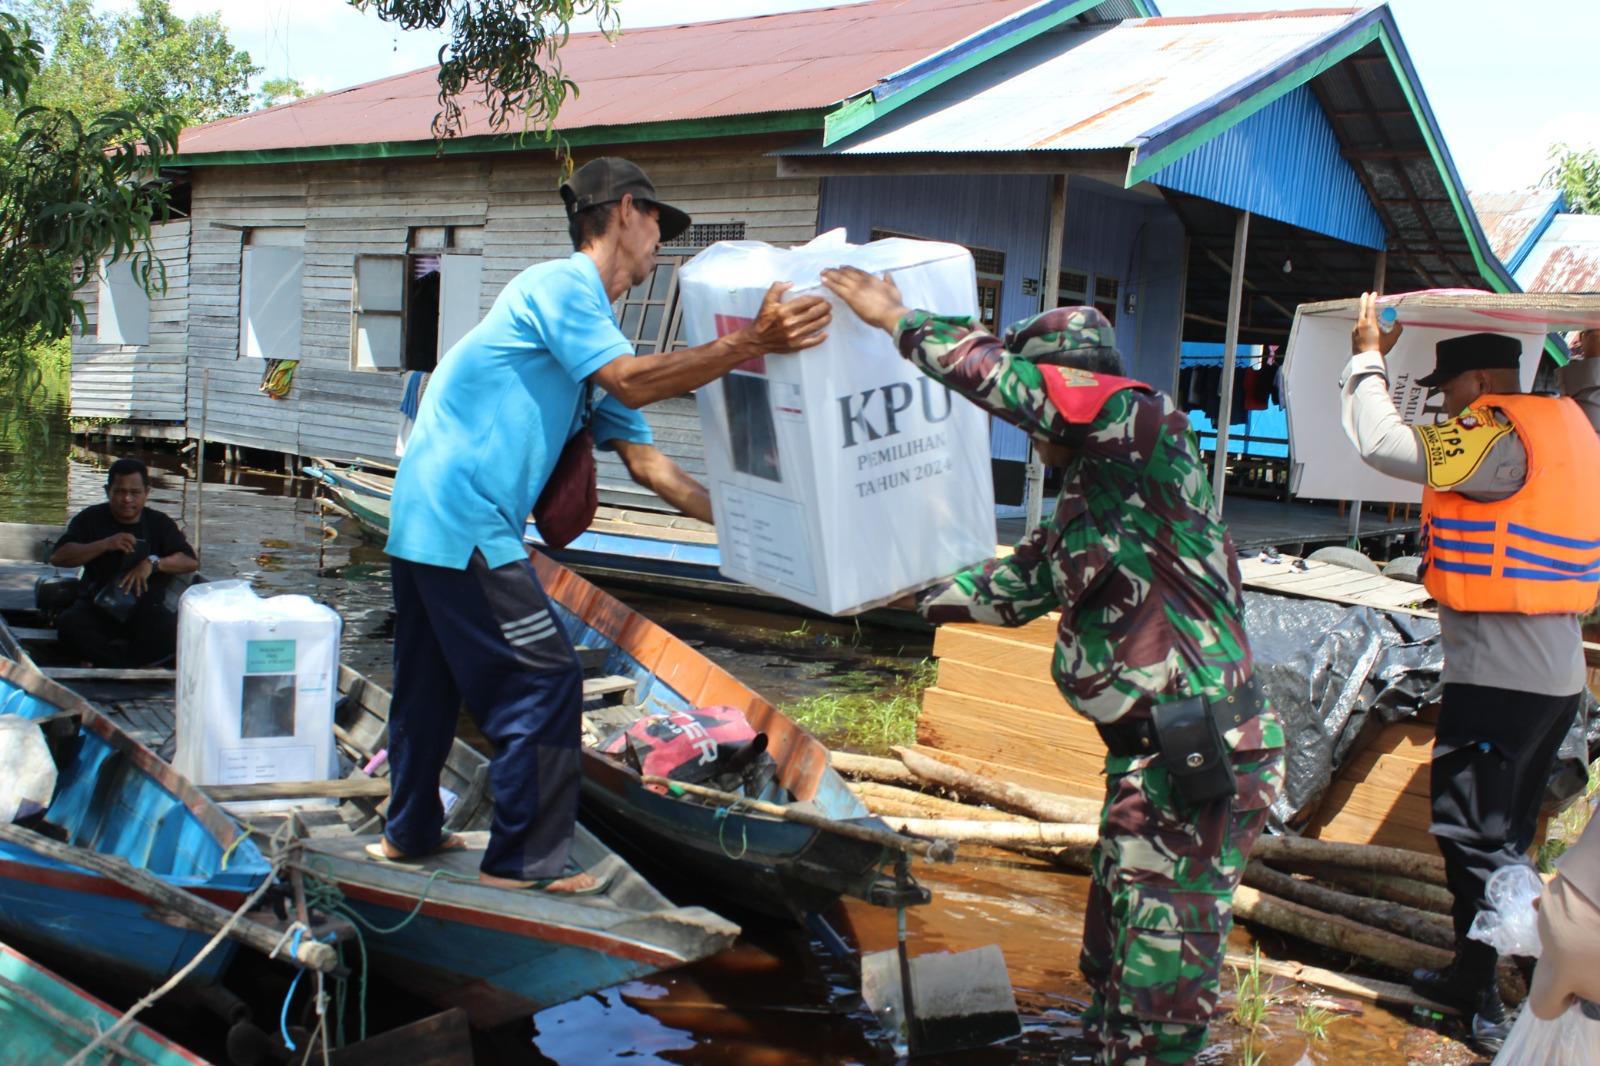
[1151,647]
[471,619]
[129,553]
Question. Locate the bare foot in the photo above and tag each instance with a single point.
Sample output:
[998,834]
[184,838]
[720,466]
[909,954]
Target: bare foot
[576,883]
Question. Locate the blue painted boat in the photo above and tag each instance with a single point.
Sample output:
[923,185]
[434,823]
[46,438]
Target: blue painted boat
[45,1020]
[499,954]
[113,796]
[755,859]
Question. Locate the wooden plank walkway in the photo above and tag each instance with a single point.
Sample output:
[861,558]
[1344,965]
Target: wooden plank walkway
[1340,584]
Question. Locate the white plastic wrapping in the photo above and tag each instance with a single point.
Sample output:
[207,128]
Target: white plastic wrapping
[841,477]
[27,772]
[1509,923]
[257,680]
[1573,1039]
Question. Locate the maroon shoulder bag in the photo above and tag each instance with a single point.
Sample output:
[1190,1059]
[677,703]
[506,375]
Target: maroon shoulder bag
[567,505]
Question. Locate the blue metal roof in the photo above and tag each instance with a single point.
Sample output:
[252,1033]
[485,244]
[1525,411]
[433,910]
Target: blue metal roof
[1282,162]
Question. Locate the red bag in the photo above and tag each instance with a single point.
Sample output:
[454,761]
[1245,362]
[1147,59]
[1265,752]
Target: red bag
[571,496]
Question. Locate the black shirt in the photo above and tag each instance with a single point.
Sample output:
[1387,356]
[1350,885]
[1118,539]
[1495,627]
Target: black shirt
[157,535]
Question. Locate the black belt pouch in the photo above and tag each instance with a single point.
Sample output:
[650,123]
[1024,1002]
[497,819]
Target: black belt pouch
[1192,751]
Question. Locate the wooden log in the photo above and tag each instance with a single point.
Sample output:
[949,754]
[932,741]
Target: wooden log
[873,793]
[872,768]
[1007,797]
[358,787]
[1403,890]
[1428,869]
[1000,834]
[1340,934]
[1370,989]
[189,908]
[1431,929]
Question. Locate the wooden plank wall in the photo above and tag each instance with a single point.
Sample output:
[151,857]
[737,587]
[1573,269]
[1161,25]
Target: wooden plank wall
[996,709]
[715,183]
[356,208]
[141,382]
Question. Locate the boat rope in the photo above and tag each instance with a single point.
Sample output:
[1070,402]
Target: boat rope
[721,816]
[323,894]
[283,1015]
[176,979]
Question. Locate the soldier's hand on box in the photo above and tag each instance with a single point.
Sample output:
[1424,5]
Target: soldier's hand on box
[791,326]
[876,300]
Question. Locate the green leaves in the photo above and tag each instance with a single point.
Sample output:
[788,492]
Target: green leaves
[504,50]
[1578,175]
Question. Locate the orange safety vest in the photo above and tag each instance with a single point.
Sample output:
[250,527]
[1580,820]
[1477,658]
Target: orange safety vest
[1538,550]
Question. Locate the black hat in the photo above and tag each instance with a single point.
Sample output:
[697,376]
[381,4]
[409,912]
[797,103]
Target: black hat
[1474,351]
[607,180]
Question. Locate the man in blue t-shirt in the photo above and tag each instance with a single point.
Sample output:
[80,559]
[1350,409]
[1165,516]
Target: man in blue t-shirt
[471,619]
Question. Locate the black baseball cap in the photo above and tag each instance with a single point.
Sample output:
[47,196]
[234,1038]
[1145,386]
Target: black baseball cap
[607,180]
[1472,351]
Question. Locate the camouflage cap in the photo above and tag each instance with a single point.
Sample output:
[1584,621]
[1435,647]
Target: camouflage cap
[1064,329]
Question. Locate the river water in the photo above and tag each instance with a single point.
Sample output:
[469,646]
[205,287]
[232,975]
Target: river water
[776,999]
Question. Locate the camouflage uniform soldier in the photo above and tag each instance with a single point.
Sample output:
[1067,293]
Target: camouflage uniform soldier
[1147,581]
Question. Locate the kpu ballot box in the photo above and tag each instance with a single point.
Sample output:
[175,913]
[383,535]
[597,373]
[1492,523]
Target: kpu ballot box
[1325,465]
[257,681]
[841,477]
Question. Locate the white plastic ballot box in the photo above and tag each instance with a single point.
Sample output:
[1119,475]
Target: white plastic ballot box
[841,476]
[1324,464]
[257,680]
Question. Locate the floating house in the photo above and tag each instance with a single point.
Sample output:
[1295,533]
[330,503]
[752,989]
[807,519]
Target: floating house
[1195,178]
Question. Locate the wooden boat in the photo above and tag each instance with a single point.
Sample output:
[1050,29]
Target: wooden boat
[115,798]
[499,954]
[756,859]
[45,1020]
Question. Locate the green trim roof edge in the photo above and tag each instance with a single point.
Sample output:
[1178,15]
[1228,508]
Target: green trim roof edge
[531,140]
[864,109]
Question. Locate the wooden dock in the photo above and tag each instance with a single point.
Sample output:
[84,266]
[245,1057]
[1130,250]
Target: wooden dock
[995,710]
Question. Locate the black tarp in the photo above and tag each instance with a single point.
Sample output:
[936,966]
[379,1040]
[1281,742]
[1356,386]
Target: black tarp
[1338,674]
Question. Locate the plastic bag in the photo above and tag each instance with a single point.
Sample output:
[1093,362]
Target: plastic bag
[1509,924]
[1570,1040]
[26,768]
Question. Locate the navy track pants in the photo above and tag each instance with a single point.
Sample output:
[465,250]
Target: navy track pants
[487,637]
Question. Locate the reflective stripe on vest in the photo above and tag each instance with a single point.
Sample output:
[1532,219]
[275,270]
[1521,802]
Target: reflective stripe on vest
[1538,551]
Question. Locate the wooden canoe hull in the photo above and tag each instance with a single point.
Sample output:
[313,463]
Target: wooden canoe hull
[118,798]
[45,1020]
[758,861]
[503,954]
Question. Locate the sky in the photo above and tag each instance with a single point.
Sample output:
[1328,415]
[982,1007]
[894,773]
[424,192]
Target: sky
[1494,71]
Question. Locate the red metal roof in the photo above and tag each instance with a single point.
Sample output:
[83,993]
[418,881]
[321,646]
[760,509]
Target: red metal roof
[773,63]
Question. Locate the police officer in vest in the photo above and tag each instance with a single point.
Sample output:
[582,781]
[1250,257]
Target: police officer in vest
[1511,549]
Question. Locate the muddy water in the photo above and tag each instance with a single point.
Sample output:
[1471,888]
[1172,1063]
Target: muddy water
[776,999]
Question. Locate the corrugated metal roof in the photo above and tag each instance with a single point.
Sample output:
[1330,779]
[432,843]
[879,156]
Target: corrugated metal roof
[1283,162]
[1565,257]
[1085,88]
[1510,218]
[774,63]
